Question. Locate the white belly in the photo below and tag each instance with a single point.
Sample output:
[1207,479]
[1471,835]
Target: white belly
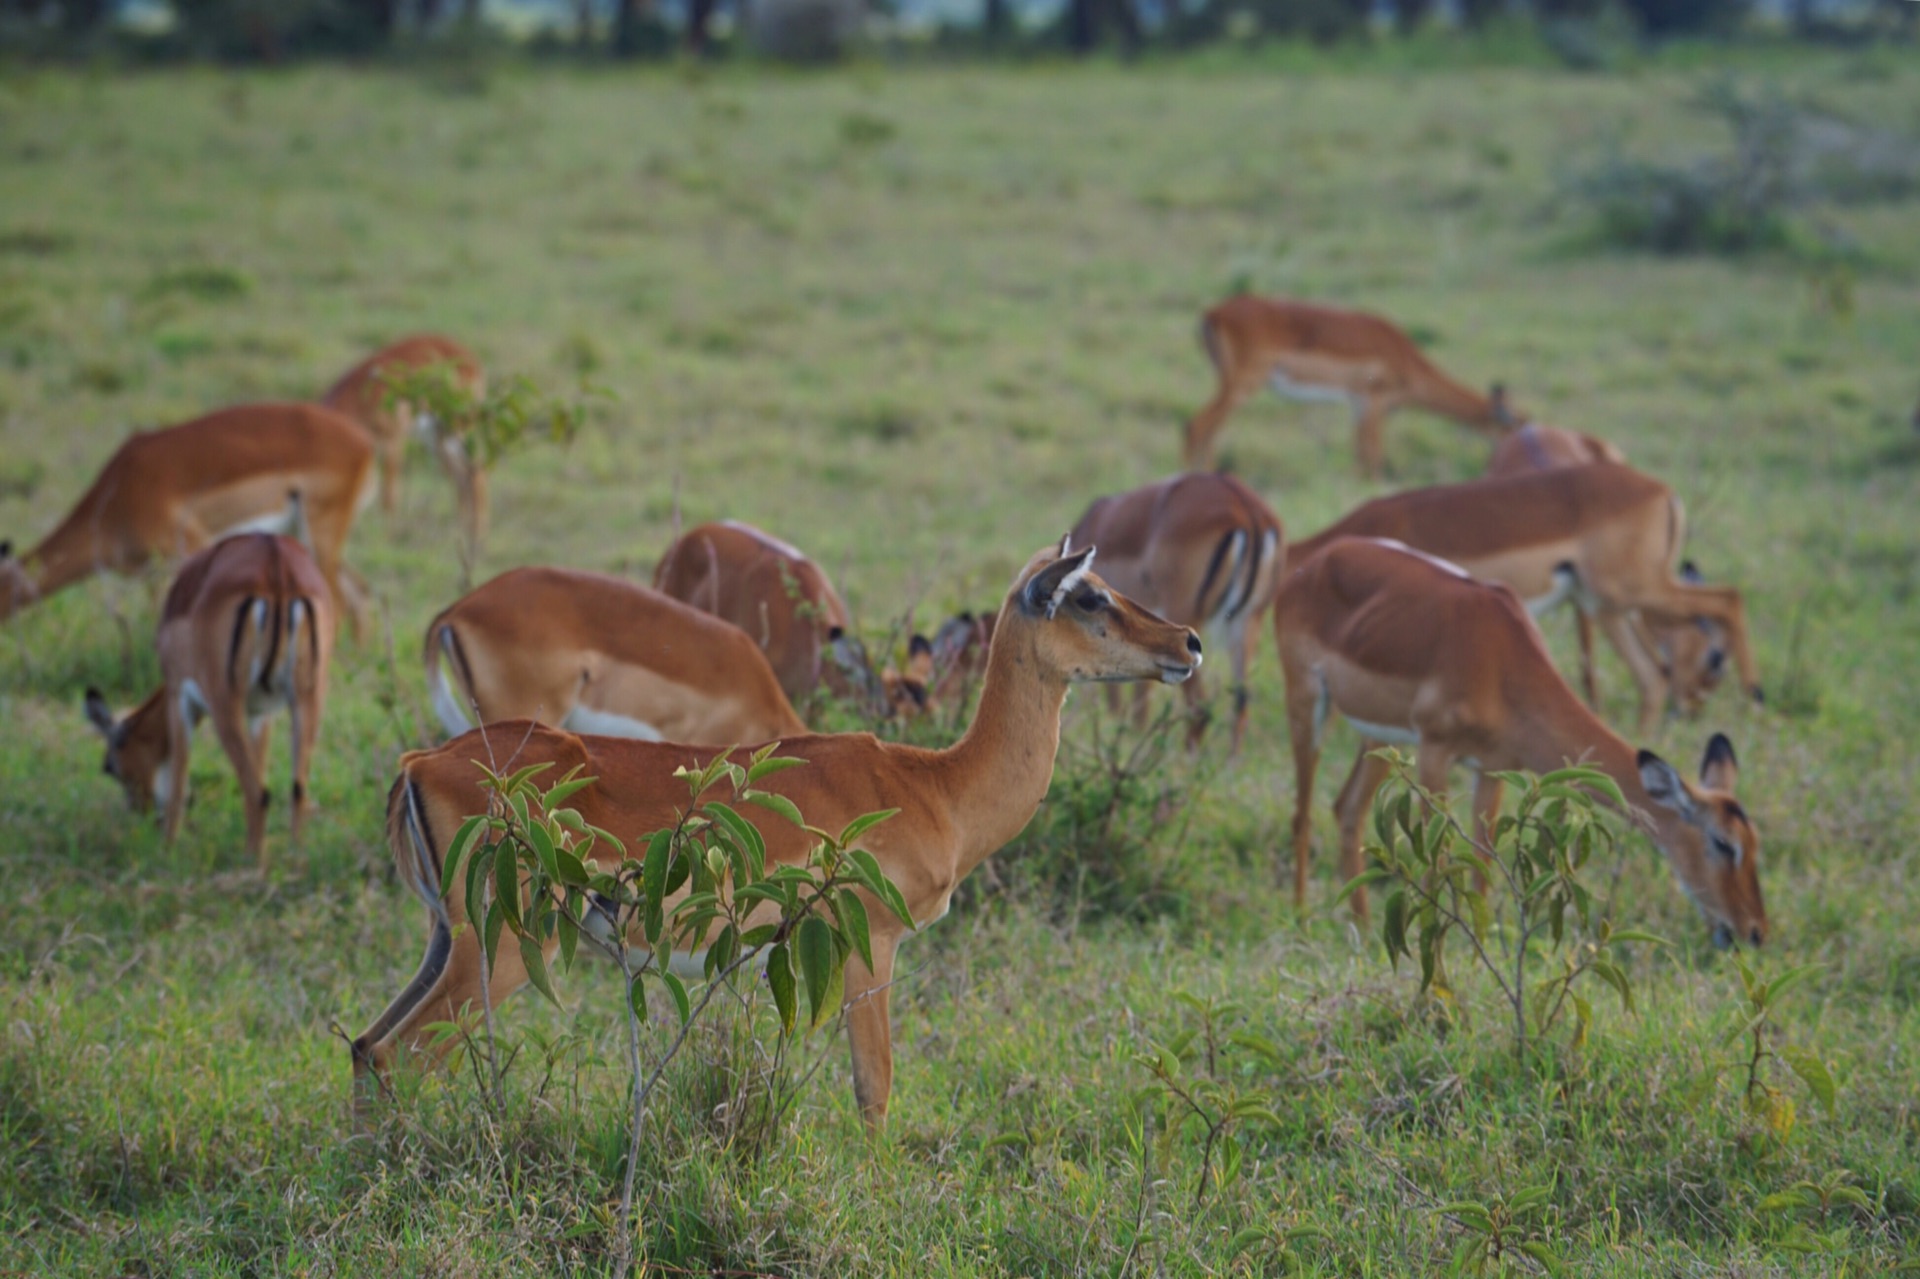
[1393,735]
[581,719]
[1307,392]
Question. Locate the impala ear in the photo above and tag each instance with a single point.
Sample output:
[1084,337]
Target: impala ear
[1719,767]
[1663,784]
[1048,589]
[99,714]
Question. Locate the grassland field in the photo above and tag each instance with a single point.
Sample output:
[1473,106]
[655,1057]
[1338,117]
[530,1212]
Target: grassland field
[914,321]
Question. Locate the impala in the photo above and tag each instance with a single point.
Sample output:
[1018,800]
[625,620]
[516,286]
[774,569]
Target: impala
[781,599]
[1306,351]
[1060,624]
[363,394]
[1199,549]
[1412,650]
[247,629]
[1691,654]
[1602,534]
[600,654]
[165,494]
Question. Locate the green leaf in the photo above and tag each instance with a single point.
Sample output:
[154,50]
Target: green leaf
[566,788]
[780,981]
[506,887]
[767,766]
[490,933]
[853,921]
[1813,1071]
[1786,1201]
[569,938]
[875,879]
[1365,879]
[758,936]
[520,778]
[678,990]
[813,943]
[542,844]
[861,825]
[1468,1213]
[743,831]
[1639,935]
[653,867]
[637,996]
[1786,981]
[569,869]
[1251,1237]
[777,803]
[1394,926]
[1610,973]
[536,961]
[458,849]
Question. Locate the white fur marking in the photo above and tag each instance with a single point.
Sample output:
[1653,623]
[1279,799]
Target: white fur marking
[583,719]
[1391,734]
[765,539]
[1236,597]
[1447,566]
[193,702]
[1308,392]
[162,784]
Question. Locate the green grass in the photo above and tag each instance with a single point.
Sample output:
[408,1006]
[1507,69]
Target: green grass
[915,322]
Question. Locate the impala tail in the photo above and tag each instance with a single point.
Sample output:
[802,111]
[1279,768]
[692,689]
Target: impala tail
[449,676]
[417,859]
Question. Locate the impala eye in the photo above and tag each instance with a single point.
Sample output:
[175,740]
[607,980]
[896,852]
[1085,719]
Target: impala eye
[1726,848]
[1090,601]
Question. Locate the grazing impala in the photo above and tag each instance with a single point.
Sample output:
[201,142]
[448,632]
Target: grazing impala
[1412,650]
[780,598]
[1306,351]
[600,654]
[1201,550]
[1618,532]
[1691,654]
[168,493]
[1060,625]
[246,630]
[362,394]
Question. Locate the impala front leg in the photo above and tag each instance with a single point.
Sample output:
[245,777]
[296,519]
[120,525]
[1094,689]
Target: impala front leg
[870,1031]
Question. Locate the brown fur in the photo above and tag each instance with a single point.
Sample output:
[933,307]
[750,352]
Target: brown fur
[1362,356]
[1387,637]
[957,806]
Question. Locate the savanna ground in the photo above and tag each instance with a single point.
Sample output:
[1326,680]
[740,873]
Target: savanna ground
[914,321]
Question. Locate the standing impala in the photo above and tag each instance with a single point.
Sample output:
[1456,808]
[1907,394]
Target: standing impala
[1199,549]
[362,393]
[1306,351]
[781,599]
[1412,650]
[168,493]
[1060,625]
[1691,654]
[600,654]
[246,630]
[1604,535]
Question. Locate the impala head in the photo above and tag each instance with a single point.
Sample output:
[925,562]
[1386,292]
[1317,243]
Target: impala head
[17,587]
[1714,850]
[1082,629]
[136,754]
[908,690]
[1693,653]
[848,674]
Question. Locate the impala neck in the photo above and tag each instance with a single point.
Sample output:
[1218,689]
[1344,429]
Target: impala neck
[1438,393]
[996,775]
[1567,732]
[57,563]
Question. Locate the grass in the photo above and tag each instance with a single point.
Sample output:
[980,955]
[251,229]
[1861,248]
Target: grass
[915,322]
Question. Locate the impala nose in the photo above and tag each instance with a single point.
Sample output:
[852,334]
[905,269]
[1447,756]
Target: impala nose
[1755,936]
[1193,645]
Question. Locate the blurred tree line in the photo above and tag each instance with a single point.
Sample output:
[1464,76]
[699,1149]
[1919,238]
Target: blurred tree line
[277,30]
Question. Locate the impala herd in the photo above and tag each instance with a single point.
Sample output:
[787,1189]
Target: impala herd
[1412,617]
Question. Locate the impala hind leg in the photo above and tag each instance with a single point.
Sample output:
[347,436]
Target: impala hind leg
[179,748]
[447,986]
[1355,802]
[870,1032]
[241,740]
